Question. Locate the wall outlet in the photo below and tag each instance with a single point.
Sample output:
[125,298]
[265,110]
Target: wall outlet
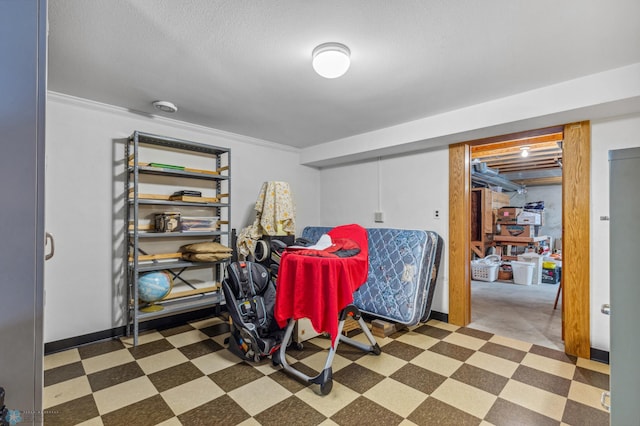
[436,214]
[378,217]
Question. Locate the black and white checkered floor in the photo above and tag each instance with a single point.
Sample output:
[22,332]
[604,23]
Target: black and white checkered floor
[431,374]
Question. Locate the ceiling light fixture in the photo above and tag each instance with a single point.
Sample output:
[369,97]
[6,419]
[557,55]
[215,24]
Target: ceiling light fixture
[525,150]
[165,106]
[331,60]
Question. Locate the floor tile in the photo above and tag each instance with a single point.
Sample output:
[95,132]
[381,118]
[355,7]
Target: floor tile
[503,413]
[161,360]
[174,376]
[172,331]
[511,343]
[451,350]
[540,379]
[63,372]
[549,365]
[151,348]
[328,405]
[112,376]
[144,337]
[65,391]
[591,377]
[418,340]
[402,350]
[466,341]
[364,411]
[190,395]
[123,394]
[503,351]
[435,412]
[106,360]
[198,349]
[222,411]
[318,360]
[187,338]
[358,378]
[425,381]
[437,363]
[287,381]
[492,363]
[100,348]
[435,332]
[593,365]
[479,334]
[467,398]
[535,399]
[216,329]
[576,413]
[552,353]
[148,412]
[383,364]
[235,376]
[213,362]
[259,395]
[586,395]
[481,379]
[61,358]
[291,411]
[396,396]
[72,412]
[443,325]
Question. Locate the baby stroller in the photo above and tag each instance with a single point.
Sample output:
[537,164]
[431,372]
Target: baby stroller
[250,296]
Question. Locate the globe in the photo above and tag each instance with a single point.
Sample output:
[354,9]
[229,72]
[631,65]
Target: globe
[153,287]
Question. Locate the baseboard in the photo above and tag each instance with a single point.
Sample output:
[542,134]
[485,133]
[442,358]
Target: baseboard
[599,355]
[116,332]
[442,317]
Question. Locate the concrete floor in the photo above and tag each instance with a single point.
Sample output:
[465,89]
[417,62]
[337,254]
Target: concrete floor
[518,311]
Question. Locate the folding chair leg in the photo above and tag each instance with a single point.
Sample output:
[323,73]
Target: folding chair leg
[325,378]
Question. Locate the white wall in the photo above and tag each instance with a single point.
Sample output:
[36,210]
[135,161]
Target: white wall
[616,133]
[84,281]
[407,189]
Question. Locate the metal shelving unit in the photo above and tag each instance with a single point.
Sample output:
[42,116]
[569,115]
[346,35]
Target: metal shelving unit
[219,177]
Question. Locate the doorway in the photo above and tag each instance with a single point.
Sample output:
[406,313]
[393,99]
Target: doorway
[510,298]
[575,235]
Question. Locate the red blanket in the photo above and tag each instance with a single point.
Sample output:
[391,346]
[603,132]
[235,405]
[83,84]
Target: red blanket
[318,288]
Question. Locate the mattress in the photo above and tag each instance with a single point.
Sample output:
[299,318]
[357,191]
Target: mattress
[403,270]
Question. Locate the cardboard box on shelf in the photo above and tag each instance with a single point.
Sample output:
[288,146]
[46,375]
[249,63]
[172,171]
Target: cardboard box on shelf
[508,214]
[529,218]
[526,231]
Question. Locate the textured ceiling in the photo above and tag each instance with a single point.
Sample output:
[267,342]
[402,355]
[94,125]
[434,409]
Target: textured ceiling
[245,66]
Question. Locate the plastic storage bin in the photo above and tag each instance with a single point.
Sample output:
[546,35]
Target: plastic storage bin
[522,272]
[536,259]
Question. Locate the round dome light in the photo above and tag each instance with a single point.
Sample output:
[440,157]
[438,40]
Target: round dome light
[331,60]
[165,106]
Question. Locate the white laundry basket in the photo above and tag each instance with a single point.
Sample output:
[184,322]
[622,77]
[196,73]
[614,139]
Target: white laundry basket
[485,269]
[522,272]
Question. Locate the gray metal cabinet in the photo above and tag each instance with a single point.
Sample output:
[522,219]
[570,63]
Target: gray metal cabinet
[624,172]
[150,189]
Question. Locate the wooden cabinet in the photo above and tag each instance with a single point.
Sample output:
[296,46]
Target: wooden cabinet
[484,203]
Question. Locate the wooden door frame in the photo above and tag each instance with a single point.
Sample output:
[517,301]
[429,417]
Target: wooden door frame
[575,234]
